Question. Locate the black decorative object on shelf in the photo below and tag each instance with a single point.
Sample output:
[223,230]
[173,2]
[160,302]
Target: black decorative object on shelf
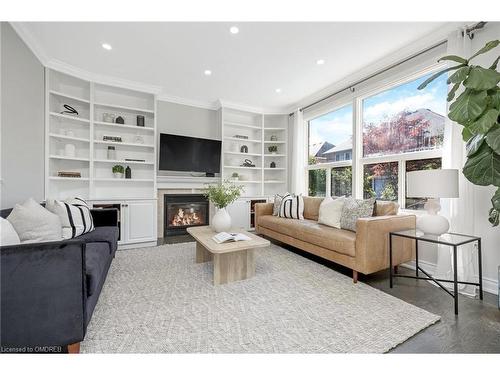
[248,163]
[120,120]
[128,172]
[244,149]
[110,138]
[69,110]
[272,165]
[140,120]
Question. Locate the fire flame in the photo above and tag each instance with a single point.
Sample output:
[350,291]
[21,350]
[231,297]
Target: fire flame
[186,217]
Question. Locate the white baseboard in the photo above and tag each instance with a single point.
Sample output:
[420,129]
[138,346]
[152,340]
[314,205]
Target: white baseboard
[489,285]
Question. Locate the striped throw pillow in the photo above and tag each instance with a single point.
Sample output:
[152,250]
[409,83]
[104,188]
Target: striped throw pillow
[292,207]
[75,216]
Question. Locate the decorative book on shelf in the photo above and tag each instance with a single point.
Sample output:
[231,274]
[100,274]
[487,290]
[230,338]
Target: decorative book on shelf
[69,174]
[110,138]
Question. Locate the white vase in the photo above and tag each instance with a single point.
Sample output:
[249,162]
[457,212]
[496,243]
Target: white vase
[221,222]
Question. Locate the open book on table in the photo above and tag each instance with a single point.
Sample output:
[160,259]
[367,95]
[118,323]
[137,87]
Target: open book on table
[230,237]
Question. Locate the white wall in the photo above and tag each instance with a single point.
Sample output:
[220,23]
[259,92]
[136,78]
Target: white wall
[482,195]
[22,121]
[186,120]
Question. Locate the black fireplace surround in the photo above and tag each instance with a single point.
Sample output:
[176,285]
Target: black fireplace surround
[182,211]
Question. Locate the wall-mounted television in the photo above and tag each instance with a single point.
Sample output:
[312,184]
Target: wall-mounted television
[189,154]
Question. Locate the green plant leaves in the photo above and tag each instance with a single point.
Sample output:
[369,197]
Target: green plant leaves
[484,123]
[459,75]
[494,217]
[482,79]
[434,76]
[473,144]
[494,97]
[468,106]
[495,200]
[466,134]
[488,46]
[455,58]
[452,92]
[483,168]
[495,63]
[493,139]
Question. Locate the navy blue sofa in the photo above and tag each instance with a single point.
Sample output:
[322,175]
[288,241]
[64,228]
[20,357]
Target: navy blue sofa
[49,290]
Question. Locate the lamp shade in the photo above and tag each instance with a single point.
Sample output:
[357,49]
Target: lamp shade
[432,183]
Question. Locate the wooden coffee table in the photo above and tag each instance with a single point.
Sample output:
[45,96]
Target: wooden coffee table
[233,261]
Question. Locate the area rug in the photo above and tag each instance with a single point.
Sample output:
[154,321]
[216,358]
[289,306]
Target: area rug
[158,300]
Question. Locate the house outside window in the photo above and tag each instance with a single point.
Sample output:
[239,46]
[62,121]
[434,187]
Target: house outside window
[400,129]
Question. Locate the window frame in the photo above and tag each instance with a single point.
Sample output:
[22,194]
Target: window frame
[358,161]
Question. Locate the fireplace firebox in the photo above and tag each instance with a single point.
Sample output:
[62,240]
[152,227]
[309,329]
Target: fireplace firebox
[183,211]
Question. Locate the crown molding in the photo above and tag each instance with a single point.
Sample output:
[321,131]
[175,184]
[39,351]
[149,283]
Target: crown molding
[247,108]
[189,102]
[28,38]
[101,78]
[434,37]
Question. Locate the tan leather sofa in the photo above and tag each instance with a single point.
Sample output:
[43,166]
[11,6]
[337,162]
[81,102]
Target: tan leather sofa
[365,250]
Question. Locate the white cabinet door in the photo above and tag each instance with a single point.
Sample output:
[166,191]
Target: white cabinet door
[140,221]
[240,214]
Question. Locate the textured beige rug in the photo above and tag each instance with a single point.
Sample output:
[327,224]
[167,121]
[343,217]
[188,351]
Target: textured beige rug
[158,300]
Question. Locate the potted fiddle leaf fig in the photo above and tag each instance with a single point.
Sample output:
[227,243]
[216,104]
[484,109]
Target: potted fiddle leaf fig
[477,109]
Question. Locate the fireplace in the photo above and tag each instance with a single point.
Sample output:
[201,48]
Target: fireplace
[183,211]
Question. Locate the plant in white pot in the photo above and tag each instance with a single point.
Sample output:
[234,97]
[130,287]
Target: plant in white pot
[118,171]
[222,195]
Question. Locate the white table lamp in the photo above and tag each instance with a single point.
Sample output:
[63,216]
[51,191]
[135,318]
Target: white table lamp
[432,184]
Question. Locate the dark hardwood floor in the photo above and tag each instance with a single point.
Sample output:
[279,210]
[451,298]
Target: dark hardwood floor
[475,330]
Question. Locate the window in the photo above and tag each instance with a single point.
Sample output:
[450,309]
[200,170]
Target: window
[317,183]
[401,130]
[341,181]
[330,145]
[380,181]
[418,165]
[330,136]
[404,119]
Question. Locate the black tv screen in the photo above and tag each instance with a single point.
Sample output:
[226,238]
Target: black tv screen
[188,154]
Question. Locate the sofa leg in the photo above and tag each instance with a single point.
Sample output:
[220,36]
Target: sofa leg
[354,276]
[74,348]
[395,269]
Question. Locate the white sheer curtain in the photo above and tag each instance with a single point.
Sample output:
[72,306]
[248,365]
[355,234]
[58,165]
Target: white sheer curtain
[460,210]
[298,154]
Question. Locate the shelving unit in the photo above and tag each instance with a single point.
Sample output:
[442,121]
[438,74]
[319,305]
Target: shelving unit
[85,132]
[261,180]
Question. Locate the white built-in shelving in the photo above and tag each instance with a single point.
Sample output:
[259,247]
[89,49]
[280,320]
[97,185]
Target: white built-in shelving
[85,133]
[247,135]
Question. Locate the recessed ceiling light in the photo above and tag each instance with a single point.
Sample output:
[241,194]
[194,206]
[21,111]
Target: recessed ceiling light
[234,30]
[278,90]
[208,72]
[107,46]
[320,62]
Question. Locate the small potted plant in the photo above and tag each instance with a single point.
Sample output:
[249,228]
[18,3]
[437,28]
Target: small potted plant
[118,171]
[235,176]
[222,195]
[273,149]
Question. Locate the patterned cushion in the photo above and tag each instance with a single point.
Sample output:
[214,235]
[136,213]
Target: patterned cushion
[355,209]
[277,203]
[292,207]
[74,214]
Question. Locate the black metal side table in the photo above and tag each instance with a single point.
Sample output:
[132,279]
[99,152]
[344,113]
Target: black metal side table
[450,239]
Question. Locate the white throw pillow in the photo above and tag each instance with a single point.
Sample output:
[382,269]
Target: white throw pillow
[34,223]
[330,211]
[74,214]
[292,207]
[8,235]
[277,203]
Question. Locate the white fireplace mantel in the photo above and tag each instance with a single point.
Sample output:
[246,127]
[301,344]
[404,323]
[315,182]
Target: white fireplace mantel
[184,182]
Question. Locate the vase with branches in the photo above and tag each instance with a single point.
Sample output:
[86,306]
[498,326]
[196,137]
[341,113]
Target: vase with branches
[222,195]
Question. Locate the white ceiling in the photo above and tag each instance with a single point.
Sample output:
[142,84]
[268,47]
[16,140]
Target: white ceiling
[247,67]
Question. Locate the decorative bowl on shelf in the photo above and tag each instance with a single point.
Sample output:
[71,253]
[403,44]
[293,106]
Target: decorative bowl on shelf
[118,175]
